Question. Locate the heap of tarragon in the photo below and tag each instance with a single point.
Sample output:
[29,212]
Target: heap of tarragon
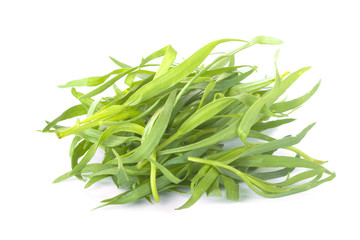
[165,132]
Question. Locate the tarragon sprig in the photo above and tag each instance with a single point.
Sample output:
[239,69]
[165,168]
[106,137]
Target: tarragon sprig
[166,130]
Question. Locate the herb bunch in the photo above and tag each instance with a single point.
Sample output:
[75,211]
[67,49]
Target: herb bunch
[165,132]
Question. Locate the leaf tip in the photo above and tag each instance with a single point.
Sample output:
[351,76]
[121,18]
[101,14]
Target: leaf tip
[312,125]
[98,207]
[266,40]
[62,178]
[56,181]
[307,68]
[181,207]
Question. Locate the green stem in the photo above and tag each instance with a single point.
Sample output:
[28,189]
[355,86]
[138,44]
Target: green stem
[153,179]
[304,155]
[76,129]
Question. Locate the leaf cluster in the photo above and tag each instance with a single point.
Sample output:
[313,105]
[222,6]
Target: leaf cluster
[165,132]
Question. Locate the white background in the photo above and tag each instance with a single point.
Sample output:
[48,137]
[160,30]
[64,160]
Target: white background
[47,43]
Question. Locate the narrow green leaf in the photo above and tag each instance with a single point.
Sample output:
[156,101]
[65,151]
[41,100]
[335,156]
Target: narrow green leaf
[155,133]
[265,160]
[168,60]
[72,112]
[201,188]
[109,83]
[214,189]
[120,64]
[266,40]
[293,104]
[208,89]
[88,156]
[78,152]
[118,92]
[94,180]
[231,188]
[74,142]
[165,171]
[261,126]
[277,144]
[93,107]
[130,79]
[91,81]
[86,102]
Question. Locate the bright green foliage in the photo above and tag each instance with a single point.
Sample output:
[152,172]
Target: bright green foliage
[165,131]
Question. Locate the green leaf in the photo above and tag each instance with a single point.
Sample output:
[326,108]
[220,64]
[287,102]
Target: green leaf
[86,102]
[295,103]
[208,89]
[231,188]
[118,92]
[109,83]
[130,79]
[169,57]
[214,189]
[155,133]
[277,144]
[94,180]
[120,64]
[165,171]
[72,112]
[265,160]
[266,40]
[201,188]
[262,126]
[87,157]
